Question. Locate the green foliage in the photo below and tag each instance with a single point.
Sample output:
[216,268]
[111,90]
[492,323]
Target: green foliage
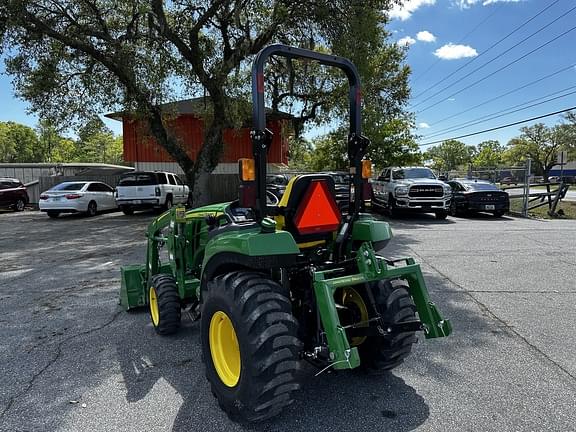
[329,153]
[18,143]
[450,155]
[95,144]
[71,60]
[490,154]
[541,144]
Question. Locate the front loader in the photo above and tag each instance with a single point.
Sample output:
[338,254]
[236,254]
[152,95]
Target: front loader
[277,283]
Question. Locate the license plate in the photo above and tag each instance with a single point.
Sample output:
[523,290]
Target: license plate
[140,202]
[56,198]
[489,207]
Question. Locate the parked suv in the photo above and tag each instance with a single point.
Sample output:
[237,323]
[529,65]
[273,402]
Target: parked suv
[413,189]
[13,194]
[150,189]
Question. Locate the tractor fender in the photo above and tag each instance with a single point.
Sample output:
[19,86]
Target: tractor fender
[248,250]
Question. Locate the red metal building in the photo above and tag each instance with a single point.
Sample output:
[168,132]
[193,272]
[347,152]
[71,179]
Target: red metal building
[188,123]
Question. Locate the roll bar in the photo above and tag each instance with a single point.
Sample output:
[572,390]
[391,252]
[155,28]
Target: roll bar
[262,138]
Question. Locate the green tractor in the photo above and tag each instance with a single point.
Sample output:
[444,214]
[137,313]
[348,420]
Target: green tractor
[274,283]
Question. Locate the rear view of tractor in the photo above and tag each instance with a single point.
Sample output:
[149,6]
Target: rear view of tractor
[275,283]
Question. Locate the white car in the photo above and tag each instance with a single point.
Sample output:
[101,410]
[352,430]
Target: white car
[77,197]
[150,190]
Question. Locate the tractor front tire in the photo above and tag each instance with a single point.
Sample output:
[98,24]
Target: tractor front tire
[249,344]
[164,304]
[395,305]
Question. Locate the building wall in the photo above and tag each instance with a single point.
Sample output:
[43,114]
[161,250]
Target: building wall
[139,147]
[222,168]
[569,169]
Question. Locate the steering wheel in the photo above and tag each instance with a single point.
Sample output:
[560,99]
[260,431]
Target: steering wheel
[271,199]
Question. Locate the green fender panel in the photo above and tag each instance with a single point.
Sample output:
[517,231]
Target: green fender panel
[366,228]
[251,244]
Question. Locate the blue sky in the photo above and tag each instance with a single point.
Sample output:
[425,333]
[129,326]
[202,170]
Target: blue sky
[440,36]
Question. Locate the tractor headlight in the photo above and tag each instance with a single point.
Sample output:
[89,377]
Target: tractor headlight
[401,190]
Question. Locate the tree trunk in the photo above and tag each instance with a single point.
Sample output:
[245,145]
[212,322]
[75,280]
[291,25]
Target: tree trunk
[208,158]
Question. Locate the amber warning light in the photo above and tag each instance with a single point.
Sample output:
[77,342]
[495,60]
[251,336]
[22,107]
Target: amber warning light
[246,169]
[318,212]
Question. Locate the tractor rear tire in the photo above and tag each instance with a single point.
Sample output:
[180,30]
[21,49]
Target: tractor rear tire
[164,304]
[250,345]
[395,306]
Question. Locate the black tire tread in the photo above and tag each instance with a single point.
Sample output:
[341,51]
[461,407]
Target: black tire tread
[169,306]
[264,316]
[395,305]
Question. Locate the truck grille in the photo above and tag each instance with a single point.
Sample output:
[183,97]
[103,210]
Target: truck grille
[426,191]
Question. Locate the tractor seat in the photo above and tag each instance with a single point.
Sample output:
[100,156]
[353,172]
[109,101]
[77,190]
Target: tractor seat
[308,209]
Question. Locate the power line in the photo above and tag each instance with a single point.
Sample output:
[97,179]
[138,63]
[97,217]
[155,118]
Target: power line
[501,69]
[499,127]
[497,9]
[487,50]
[494,59]
[505,112]
[505,94]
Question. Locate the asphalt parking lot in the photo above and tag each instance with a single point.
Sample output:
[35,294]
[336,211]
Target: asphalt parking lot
[72,360]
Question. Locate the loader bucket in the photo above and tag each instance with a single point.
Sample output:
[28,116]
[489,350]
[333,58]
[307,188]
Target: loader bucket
[133,287]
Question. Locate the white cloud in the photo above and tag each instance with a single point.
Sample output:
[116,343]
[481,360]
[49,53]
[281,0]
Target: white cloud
[489,2]
[424,126]
[464,4]
[425,36]
[408,8]
[452,52]
[406,41]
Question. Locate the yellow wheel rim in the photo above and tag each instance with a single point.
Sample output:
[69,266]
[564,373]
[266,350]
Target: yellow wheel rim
[351,297]
[224,349]
[153,301]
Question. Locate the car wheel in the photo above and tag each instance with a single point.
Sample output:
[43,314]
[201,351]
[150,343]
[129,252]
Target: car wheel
[441,214]
[453,209]
[391,207]
[128,211]
[92,209]
[19,205]
[168,204]
[53,214]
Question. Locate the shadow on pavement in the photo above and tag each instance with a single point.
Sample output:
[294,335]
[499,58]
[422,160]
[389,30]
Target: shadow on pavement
[331,401]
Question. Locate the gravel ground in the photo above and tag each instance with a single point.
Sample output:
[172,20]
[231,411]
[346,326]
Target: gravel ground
[72,360]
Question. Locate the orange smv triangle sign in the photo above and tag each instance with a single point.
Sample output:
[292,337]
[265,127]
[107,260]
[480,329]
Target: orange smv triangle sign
[318,211]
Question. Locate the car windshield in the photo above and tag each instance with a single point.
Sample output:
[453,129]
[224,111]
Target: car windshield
[276,180]
[480,186]
[412,173]
[68,187]
[340,179]
[138,179]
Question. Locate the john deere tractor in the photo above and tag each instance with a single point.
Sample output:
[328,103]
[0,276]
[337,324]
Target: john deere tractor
[275,283]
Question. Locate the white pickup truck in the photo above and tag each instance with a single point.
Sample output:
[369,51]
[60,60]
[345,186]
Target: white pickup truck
[150,189]
[414,189]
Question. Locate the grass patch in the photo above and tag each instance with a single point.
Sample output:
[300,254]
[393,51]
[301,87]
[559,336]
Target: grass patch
[567,207]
